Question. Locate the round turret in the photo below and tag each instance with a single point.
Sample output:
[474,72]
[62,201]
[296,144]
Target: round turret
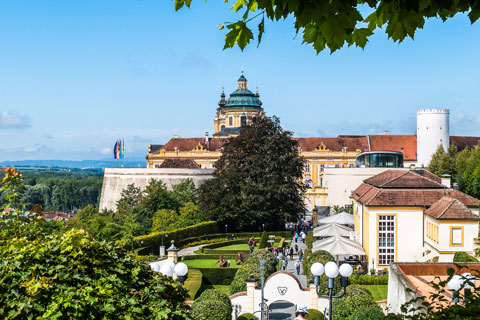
[433,129]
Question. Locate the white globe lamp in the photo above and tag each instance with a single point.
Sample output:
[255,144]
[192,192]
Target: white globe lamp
[166,270]
[346,270]
[455,283]
[169,263]
[331,269]
[468,279]
[317,269]
[181,269]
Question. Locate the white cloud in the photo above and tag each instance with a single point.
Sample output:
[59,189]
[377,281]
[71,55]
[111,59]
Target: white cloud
[11,120]
[106,151]
[31,149]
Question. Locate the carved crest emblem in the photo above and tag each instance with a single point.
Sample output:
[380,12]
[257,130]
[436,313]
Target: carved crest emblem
[282,290]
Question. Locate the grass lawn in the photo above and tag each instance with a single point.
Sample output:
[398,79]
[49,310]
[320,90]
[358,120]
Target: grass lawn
[224,288]
[208,263]
[378,291]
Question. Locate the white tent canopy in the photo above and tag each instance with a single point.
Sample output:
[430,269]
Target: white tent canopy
[338,246]
[340,218]
[332,229]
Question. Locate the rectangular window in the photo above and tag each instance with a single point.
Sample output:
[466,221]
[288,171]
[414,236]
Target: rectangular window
[230,121]
[322,166]
[456,236]
[386,239]
[307,168]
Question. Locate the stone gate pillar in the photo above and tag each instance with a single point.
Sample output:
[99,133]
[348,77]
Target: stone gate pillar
[313,296]
[251,284]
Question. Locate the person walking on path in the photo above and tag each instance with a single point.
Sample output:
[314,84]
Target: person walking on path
[296,237]
[297,266]
[296,248]
[291,253]
[284,263]
[300,255]
[303,237]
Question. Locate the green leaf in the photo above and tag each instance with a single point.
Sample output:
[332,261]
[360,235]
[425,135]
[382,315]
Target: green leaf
[238,5]
[261,30]
[239,35]
[360,37]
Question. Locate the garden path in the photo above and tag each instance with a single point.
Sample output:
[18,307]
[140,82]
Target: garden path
[291,263]
[189,250]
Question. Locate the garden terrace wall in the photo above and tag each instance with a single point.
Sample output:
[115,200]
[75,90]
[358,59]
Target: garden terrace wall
[155,238]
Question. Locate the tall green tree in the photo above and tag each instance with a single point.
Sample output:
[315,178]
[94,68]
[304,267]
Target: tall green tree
[333,24]
[444,162]
[257,179]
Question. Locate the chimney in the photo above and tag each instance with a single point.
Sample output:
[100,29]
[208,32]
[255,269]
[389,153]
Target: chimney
[386,133]
[446,180]
[206,137]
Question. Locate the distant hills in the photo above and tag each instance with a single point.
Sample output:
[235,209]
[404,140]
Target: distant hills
[70,164]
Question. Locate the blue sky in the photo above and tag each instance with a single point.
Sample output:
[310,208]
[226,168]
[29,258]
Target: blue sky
[77,75]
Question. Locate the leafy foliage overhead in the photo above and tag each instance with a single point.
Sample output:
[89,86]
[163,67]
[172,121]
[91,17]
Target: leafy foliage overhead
[334,23]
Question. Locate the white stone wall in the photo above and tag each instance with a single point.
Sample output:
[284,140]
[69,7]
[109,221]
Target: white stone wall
[397,294]
[432,130]
[409,233]
[342,181]
[117,179]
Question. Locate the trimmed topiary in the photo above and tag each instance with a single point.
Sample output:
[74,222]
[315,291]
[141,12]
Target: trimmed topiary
[462,256]
[212,305]
[314,314]
[344,308]
[247,316]
[252,269]
[323,257]
[369,313]
[356,290]
[264,240]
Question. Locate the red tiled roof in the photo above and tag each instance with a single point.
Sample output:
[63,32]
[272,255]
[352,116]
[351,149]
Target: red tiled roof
[352,143]
[188,144]
[401,143]
[452,209]
[463,142]
[406,188]
[185,163]
[402,179]
[374,196]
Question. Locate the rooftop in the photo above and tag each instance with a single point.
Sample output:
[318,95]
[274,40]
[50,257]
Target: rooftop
[450,209]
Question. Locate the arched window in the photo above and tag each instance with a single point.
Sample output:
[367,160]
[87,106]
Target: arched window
[230,121]
[243,120]
[222,128]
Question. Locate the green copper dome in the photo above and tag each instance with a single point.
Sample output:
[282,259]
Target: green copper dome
[243,98]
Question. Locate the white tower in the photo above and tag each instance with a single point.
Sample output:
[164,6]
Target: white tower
[433,129]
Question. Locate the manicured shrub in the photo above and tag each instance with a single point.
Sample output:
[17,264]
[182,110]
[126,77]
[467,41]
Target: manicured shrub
[323,257]
[367,279]
[264,240]
[212,305]
[145,259]
[462,256]
[247,316]
[314,314]
[223,276]
[369,313]
[356,290]
[344,308]
[252,269]
[193,283]
[155,238]
[309,240]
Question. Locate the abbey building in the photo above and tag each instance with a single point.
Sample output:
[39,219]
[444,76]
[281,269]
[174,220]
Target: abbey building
[320,153]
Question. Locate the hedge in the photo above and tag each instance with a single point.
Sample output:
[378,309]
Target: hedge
[323,257]
[145,259]
[212,305]
[252,268]
[155,238]
[369,313]
[462,256]
[222,244]
[344,308]
[193,282]
[222,276]
[207,256]
[314,314]
[247,316]
[264,241]
[238,235]
[365,279]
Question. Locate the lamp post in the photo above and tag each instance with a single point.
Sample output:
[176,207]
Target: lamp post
[331,271]
[169,269]
[226,226]
[262,309]
[263,226]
